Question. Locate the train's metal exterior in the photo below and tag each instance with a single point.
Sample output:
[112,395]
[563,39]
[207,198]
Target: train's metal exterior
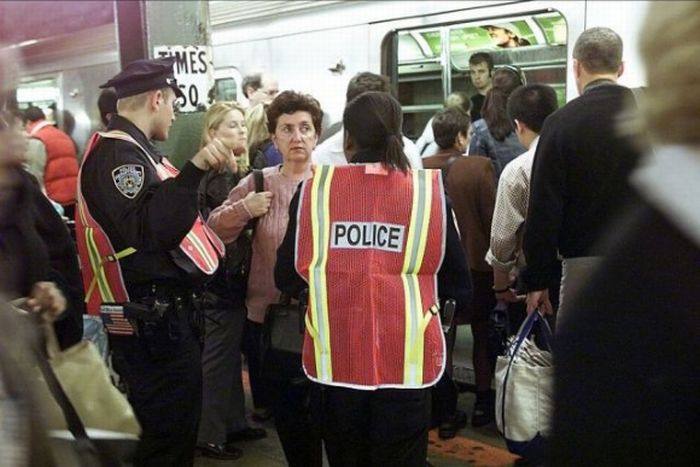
[310,46]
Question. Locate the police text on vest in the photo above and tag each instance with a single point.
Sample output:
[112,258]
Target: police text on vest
[367,235]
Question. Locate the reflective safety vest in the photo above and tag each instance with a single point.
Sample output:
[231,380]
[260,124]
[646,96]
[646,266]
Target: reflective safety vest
[369,242]
[102,276]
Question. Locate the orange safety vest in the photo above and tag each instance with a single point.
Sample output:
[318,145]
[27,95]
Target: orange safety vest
[100,263]
[369,242]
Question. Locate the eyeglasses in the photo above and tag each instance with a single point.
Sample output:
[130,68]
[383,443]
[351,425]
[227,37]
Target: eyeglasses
[288,131]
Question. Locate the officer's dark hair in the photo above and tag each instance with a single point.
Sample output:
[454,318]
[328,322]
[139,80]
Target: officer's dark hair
[288,102]
[599,50]
[107,104]
[34,114]
[531,104]
[504,82]
[482,57]
[373,122]
[366,81]
[254,81]
[447,124]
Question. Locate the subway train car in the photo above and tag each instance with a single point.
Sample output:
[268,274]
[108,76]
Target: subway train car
[317,46]
[423,46]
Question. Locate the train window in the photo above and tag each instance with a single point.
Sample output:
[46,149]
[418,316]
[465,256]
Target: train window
[225,90]
[43,93]
[433,62]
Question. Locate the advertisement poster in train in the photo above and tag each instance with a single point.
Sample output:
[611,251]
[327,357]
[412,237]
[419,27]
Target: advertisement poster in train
[194,72]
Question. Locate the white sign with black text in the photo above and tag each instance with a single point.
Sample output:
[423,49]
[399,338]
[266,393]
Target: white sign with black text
[194,72]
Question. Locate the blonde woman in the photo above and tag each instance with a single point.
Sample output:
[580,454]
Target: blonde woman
[223,410]
[294,125]
[263,153]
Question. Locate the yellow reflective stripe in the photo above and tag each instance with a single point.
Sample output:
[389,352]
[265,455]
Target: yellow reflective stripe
[90,289]
[202,250]
[427,204]
[318,293]
[97,269]
[415,317]
[122,254]
[409,287]
[93,282]
[310,327]
[97,262]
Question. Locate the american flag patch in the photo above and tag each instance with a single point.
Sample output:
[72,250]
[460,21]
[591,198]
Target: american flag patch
[114,321]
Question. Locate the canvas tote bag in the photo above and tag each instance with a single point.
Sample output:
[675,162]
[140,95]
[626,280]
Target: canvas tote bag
[524,386]
[84,378]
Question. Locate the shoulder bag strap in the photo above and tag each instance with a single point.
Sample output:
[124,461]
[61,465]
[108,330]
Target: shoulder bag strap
[445,169]
[83,443]
[259,187]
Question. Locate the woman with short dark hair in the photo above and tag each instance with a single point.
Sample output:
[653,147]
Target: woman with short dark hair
[294,121]
[369,239]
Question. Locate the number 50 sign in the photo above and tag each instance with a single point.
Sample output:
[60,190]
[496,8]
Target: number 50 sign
[193,71]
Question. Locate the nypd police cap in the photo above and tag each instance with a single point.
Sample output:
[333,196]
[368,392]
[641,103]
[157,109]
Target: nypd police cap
[145,75]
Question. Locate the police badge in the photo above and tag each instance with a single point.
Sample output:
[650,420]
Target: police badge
[128,179]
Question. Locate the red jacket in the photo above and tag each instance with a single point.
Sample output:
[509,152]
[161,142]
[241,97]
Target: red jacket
[61,172]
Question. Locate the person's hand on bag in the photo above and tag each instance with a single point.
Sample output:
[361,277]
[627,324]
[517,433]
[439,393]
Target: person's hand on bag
[539,299]
[46,299]
[258,204]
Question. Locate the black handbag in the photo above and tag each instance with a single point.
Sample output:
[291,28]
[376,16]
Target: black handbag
[283,339]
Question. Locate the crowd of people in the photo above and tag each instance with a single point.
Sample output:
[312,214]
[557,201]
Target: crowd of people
[516,206]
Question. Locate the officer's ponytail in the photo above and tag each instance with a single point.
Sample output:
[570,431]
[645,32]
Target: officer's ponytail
[395,156]
[373,122]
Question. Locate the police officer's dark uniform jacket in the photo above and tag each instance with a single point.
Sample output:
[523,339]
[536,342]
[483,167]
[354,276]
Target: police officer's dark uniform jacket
[136,208]
[153,216]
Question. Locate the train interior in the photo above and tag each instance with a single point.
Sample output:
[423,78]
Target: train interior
[433,62]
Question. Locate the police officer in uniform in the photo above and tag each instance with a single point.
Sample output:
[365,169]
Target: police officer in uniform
[144,249]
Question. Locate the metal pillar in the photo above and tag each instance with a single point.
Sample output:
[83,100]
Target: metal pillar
[143,25]
[179,23]
[131,31]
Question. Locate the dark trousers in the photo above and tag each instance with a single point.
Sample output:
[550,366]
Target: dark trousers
[293,404]
[445,393]
[223,400]
[259,386]
[164,382]
[481,306]
[386,427]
